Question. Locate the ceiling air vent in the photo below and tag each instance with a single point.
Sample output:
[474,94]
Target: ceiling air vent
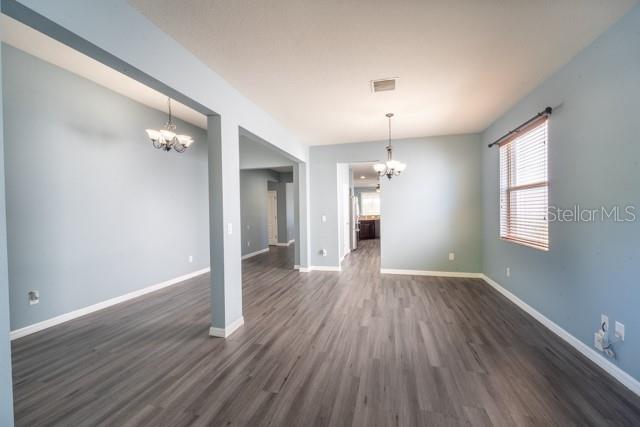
[383,85]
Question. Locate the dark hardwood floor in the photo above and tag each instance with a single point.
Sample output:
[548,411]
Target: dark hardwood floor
[321,348]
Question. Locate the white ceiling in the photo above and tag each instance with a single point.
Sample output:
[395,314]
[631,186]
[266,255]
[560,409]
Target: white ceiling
[364,169]
[37,44]
[461,63]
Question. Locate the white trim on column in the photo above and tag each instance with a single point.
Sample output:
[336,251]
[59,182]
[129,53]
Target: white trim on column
[325,268]
[225,332]
[590,353]
[252,254]
[430,273]
[36,327]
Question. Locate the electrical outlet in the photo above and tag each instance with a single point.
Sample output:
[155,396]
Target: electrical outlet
[620,330]
[323,252]
[508,271]
[190,258]
[34,297]
[604,323]
[452,256]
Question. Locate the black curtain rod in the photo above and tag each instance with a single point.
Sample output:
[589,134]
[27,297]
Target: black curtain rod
[546,112]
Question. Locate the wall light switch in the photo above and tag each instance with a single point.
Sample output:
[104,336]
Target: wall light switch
[190,258]
[620,330]
[508,271]
[229,228]
[248,243]
[452,256]
[324,218]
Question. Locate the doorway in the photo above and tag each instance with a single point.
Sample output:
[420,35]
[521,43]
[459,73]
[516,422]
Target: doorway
[358,207]
[272,217]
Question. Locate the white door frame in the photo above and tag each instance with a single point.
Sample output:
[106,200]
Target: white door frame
[272,217]
[346,219]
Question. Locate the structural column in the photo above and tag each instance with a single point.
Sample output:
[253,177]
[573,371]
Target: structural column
[6,390]
[301,215]
[224,226]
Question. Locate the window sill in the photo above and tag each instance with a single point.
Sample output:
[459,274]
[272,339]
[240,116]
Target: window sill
[528,244]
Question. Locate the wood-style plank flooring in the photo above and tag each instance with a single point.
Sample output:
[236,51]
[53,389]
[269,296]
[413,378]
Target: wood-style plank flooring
[322,348]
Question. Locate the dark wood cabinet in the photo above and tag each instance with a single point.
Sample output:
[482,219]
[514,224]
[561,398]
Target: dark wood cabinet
[368,229]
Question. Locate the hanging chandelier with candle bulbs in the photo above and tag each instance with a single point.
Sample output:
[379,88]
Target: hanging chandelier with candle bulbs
[167,139]
[392,167]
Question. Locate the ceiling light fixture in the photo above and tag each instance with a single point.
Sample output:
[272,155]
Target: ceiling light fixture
[391,167]
[166,138]
[363,177]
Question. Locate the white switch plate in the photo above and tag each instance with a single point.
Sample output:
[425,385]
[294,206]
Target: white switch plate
[248,243]
[620,330]
[229,228]
[190,258]
[508,271]
[452,256]
[324,218]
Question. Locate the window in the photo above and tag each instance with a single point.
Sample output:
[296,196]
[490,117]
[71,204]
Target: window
[524,187]
[370,203]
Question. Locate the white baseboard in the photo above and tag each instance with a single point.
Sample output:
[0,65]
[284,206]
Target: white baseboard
[317,268]
[36,327]
[252,254]
[225,332]
[325,268]
[292,241]
[627,380]
[285,244]
[430,273]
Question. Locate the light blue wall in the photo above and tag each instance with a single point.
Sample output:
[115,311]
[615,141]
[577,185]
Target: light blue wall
[291,224]
[594,160]
[6,391]
[254,185]
[430,210]
[93,211]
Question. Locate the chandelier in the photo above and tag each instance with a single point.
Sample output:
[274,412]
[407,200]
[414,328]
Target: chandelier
[166,139]
[391,167]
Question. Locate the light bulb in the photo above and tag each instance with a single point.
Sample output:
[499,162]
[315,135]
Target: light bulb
[185,140]
[153,135]
[379,167]
[392,164]
[167,135]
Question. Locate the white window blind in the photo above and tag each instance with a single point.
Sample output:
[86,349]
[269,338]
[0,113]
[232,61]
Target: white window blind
[370,203]
[524,187]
